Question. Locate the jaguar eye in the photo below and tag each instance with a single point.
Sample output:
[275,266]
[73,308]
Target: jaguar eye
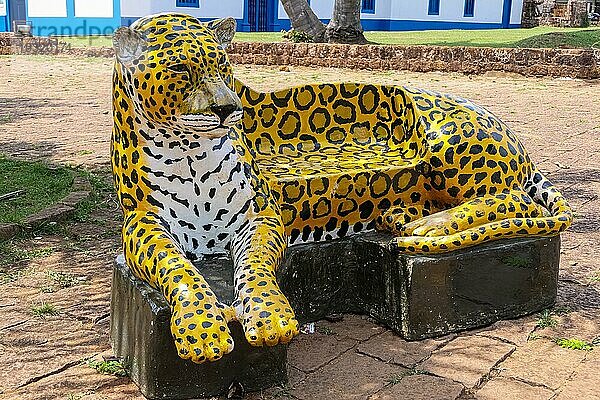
[178,68]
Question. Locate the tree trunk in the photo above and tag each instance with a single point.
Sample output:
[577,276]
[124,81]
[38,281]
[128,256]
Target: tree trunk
[304,19]
[345,26]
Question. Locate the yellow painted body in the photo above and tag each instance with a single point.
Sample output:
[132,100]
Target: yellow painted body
[205,165]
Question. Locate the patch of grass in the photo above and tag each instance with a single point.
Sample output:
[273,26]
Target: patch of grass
[47,289]
[44,310]
[115,368]
[87,41]
[570,39]
[7,276]
[574,344]
[43,185]
[6,118]
[12,254]
[542,36]
[65,279]
[546,320]
[595,277]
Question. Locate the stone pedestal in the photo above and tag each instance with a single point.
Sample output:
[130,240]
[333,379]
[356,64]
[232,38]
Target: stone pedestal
[141,335]
[416,296]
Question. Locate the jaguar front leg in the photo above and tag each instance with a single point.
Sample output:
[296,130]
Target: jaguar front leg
[198,321]
[261,307]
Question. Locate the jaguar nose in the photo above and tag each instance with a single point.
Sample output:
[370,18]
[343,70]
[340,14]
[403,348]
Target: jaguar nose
[224,111]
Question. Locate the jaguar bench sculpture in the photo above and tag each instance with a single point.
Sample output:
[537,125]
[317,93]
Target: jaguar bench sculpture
[205,165]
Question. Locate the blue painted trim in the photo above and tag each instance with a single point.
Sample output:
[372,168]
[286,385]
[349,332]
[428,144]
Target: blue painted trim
[76,26]
[4,20]
[506,11]
[409,25]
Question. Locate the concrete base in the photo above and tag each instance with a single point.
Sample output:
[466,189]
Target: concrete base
[416,296]
[141,335]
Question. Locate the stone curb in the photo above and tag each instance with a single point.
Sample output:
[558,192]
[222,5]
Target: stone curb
[64,209]
[559,62]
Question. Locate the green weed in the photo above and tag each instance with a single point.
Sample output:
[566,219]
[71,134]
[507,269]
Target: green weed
[573,344]
[546,320]
[65,279]
[115,368]
[44,310]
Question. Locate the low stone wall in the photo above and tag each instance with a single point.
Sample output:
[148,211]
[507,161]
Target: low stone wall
[575,63]
[11,44]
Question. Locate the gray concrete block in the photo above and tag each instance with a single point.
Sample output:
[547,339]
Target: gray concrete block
[141,335]
[416,296]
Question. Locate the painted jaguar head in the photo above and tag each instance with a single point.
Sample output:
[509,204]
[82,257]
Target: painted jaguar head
[176,72]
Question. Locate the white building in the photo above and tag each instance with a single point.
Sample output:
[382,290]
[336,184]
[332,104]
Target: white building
[85,17]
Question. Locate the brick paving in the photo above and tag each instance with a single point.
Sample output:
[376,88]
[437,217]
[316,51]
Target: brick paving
[58,109]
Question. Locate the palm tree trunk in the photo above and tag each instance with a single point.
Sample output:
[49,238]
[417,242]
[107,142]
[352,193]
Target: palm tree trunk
[345,26]
[304,19]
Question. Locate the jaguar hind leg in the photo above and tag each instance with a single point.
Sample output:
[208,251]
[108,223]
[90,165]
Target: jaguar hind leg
[473,213]
[397,217]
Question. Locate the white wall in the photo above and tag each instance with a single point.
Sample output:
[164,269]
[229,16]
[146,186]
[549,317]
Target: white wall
[324,8]
[486,11]
[208,8]
[94,8]
[47,8]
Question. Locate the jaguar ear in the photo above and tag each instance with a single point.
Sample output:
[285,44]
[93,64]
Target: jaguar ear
[223,29]
[128,44]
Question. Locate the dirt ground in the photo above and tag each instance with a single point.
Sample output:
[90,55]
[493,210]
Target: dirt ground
[58,109]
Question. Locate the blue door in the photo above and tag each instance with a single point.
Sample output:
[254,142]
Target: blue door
[16,12]
[506,10]
[260,15]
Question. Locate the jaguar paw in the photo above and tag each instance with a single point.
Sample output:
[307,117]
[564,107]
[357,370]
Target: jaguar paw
[201,333]
[268,320]
[438,224]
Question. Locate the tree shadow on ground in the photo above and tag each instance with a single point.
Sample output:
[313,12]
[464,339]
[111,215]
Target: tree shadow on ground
[580,187]
[17,108]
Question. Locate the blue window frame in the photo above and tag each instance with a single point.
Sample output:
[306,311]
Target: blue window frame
[434,7]
[188,3]
[368,6]
[469,8]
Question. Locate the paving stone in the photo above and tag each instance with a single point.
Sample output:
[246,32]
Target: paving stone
[467,359]
[295,376]
[542,362]
[514,331]
[357,327]
[309,352]
[584,384]
[79,381]
[502,388]
[421,387]
[351,376]
[392,348]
